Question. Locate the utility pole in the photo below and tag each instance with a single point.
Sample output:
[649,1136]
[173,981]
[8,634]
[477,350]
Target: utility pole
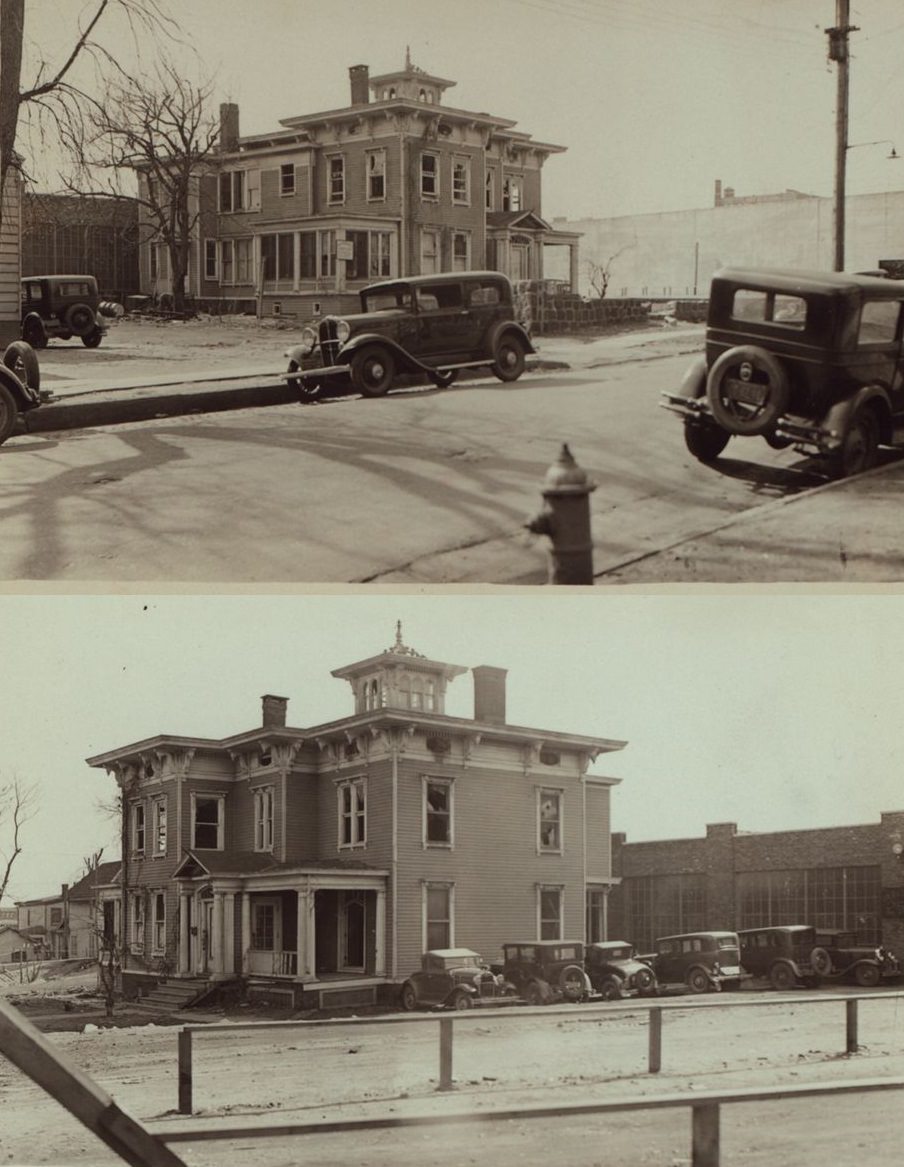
[838,52]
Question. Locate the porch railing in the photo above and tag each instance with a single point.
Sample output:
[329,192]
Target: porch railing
[285,964]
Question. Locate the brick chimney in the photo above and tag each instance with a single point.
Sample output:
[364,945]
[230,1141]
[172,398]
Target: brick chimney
[273,711]
[489,694]
[359,76]
[718,198]
[229,127]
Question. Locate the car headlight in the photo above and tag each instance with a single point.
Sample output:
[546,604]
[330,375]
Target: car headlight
[343,331]
[308,340]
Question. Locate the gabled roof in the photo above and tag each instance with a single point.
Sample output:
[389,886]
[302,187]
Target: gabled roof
[528,220]
[255,863]
[102,876]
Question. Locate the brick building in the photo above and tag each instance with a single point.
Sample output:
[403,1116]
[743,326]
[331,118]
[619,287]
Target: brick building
[395,183]
[319,863]
[834,877]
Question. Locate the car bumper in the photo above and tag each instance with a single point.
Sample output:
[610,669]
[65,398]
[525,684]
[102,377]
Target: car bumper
[797,430]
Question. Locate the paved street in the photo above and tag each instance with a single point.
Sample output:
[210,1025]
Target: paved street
[426,486]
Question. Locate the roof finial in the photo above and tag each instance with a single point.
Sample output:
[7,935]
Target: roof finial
[398,634]
[400,648]
[408,58]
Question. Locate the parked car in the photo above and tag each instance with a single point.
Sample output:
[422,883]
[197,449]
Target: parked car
[20,384]
[805,359]
[544,971]
[63,307]
[615,970]
[780,953]
[455,978]
[703,961]
[837,954]
[427,325]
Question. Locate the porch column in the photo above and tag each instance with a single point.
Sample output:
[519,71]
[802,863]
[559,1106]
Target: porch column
[246,931]
[380,935]
[229,933]
[216,937]
[573,267]
[305,936]
[184,934]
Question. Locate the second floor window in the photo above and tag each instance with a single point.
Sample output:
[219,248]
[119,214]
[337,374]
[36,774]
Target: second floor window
[550,820]
[207,822]
[233,190]
[430,176]
[263,819]
[159,813]
[437,812]
[138,828]
[352,813]
[376,175]
[461,180]
[287,178]
[336,188]
[511,194]
[490,191]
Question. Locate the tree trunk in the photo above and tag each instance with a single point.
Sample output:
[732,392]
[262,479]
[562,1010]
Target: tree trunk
[12,22]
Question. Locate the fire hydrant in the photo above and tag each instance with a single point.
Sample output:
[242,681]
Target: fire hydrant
[565,518]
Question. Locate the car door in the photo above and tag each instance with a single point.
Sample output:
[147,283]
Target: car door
[443,322]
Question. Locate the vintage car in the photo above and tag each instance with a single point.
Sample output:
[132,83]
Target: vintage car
[544,971]
[20,384]
[61,306]
[615,970]
[428,326]
[454,978]
[837,954]
[804,359]
[780,953]
[702,961]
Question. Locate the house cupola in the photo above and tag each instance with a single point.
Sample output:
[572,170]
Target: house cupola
[399,678]
[410,83]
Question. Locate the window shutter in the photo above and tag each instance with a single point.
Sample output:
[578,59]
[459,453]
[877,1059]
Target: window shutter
[253,179]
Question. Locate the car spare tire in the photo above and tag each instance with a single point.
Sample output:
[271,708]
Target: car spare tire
[80,318]
[747,390]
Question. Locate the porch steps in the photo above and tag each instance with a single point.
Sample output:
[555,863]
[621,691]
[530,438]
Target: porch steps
[170,995]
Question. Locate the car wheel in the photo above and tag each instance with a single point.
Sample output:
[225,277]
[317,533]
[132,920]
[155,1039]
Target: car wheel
[859,447]
[508,360]
[461,1001]
[33,333]
[20,359]
[867,975]
[372,371]
[408,997]
[306,390]
[534,994]
[93,339]
[747,389]
[571,983]
[610,989]
[442,380]
[698,981]
[705,440]
[80,319]
[782,977]
[821,962]
[645,980]
[8,413]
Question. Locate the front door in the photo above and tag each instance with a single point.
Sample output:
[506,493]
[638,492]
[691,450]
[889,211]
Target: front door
[266,955]
[520,261]
[353,919]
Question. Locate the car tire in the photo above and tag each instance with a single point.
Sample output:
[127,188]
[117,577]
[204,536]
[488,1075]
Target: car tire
[442,380]
[747,418]
[33,333]
[821,962]
[8,413]
[372,371]
[859,447]
[460,1002]
[93,339]
[408,997]
[645,981]
[20,358]
[698,980]
[571,983]
[508,359]
[705,440]
[79,318]
[782,977]
[867,976]
[611,989]
[306,390]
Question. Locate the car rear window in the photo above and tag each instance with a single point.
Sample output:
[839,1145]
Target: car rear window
[73,288]
[434,296]
[769,307]
[878,321]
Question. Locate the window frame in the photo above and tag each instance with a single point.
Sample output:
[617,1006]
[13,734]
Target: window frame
[354,815]
[374,172]
[559,795]
[139,829]
[211,259]
[287,172]
[158,922]
[461,191]
[137,921]
[428,233]
[428,921]
[159,825]
[433,176]
[457,236]
[513,193]
[220,799]
[264,802]
[447,784]
[335,191]
[546,889]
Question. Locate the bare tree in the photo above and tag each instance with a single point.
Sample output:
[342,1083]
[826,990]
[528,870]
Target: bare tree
[52,94]
[161,126]
[599,274]
[17,806]
[109,952]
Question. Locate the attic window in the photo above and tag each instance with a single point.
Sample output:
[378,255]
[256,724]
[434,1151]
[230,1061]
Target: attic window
[351,749]
[550,757]
[437,744]
[266,757]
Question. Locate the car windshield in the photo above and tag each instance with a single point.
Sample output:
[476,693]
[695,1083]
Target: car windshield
[386,300]
[622,953]
[728,941]
[565,952]
[461,962]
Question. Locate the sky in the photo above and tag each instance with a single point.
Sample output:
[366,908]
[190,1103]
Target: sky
[654,101]
[770,710]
